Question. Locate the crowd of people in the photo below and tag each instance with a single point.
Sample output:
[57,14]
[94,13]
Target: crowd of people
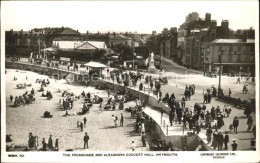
[194,118]
[26,98]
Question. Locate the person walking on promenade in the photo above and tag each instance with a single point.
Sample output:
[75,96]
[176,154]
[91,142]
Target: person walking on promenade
[11,98]
[209,134]
[249,123]
[208,119]
[161,114]
[247,111]
[235,124]
[213,113]
[81,126]
[214,142]
[50,143]
[183,102]
[151,84]
[122,120]
[86,138]
[209,98]
[229,92]
[171,116]
[234,145]
[143,139]
[141,86]
[85,121]
[226,140]
[205,98]
[220,141]
[238,80]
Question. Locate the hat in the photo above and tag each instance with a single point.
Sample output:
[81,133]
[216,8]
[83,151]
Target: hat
[234,139]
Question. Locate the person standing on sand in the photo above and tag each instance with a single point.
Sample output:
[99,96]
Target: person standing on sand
[116,121]
[100,107]
[133,145]
[86,138]
[122,120]
[11,98]
[85,121]
[81,126]
[56,144]
[44,145]
[50,143]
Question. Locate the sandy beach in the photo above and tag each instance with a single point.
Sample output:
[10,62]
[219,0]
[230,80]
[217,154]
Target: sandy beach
[28,118]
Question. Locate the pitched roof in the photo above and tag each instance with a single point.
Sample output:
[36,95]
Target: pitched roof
[69,31]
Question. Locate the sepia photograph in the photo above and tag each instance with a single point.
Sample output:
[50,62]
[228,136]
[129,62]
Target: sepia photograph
[152,79]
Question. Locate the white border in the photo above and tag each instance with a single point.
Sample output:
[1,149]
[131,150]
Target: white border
[241,156]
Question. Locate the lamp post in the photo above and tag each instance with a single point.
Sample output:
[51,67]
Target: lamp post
[220,69]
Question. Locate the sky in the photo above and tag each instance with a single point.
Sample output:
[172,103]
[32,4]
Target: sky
[126,16]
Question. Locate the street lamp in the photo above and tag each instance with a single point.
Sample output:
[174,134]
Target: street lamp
[220,53]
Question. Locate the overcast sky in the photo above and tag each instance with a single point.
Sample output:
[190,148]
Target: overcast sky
[143,17]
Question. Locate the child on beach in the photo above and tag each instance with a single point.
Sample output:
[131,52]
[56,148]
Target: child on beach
[230,127]
[133,145]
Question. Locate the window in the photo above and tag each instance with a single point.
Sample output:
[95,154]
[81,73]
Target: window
[239,48]
[220,48]
[125,43]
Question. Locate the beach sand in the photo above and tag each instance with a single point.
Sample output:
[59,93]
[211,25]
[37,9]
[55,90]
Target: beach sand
[28,118]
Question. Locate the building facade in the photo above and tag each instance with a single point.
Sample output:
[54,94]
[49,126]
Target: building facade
[235,55]
[119,39]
